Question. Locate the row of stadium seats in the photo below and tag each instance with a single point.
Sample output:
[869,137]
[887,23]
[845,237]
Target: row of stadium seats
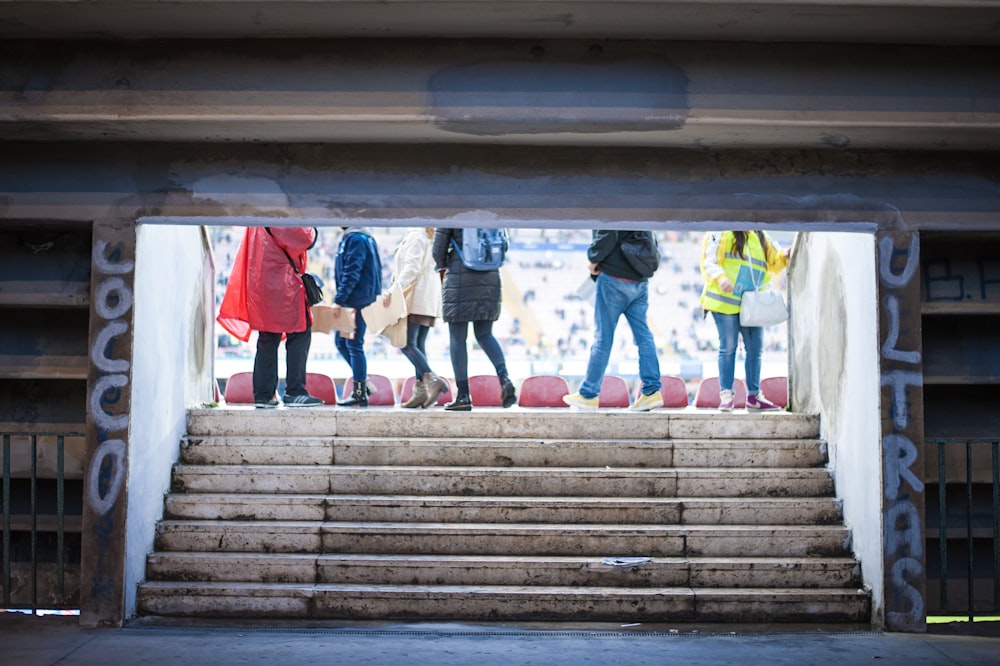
[535,391]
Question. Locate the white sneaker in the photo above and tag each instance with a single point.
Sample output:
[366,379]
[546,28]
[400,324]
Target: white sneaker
[726,400]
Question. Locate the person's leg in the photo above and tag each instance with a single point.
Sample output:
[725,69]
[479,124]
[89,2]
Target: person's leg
[265,367]
[649,363]
[609,304]
[413,351]
[484,336]
[728,326]
[753,345]
[354,351]
[421,342]
[458,332]
[483,330]
[296,353]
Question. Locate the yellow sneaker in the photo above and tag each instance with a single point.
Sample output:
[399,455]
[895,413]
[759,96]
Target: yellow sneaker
[577,400]
[644,403]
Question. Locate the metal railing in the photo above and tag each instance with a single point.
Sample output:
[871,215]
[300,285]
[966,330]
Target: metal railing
[33,515]
[969,523]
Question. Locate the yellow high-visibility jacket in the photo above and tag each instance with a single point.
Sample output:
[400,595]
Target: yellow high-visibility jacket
[719,259]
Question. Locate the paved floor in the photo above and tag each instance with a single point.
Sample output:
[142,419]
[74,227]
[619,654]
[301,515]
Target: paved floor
[26,641]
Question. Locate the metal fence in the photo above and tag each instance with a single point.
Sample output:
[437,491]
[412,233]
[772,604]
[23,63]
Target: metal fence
[975,518]
[33,507]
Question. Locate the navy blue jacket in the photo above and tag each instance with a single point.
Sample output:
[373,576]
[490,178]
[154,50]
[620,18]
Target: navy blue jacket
[357,270]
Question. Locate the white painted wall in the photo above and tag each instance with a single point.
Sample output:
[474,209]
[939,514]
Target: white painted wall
[172,370]
[833,334]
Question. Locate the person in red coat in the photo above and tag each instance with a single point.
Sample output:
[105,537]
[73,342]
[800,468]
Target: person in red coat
[265,294]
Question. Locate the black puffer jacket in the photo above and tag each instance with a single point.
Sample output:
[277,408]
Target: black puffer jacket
[467,295]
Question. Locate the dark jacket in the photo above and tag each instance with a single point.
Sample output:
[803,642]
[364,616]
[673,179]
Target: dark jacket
[466,295]
[357,270]
[605,252]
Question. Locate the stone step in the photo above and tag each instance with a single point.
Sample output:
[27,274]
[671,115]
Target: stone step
[503,481]
[500,603]
[503,539]
[449,509]
[367,569]
[493,423]
[507,452]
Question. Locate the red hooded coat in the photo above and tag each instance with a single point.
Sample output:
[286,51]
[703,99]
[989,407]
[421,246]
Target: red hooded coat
[264,293]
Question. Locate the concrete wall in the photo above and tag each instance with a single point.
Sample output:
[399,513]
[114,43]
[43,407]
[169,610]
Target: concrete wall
[172,370]
[834,351]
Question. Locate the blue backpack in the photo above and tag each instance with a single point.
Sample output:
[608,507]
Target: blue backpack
[482,249]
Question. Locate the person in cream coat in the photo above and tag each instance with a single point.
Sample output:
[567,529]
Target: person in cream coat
[414,271]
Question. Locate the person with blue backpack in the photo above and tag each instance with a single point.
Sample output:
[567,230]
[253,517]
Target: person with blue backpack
[469,261]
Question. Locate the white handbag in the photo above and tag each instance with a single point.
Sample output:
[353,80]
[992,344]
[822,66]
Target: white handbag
[762,306]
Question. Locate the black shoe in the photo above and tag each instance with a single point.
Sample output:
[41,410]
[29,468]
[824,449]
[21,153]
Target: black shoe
[461,403]
[508,395]
[266,404]
[359,397]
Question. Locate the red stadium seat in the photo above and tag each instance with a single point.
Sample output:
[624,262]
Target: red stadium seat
[322,387]
[614,392]
[674,391]
[239,389]
[775,389]
[543,391]
[708,393]
[485,391]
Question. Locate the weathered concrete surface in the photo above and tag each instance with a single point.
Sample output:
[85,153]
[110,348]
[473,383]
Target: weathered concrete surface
[906,21]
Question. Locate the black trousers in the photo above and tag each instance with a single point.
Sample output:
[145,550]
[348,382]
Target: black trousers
[265,364]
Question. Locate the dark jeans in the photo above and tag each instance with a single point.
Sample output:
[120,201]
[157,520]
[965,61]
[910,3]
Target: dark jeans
[353,349]
[458,348]
[265,364]
[415,350]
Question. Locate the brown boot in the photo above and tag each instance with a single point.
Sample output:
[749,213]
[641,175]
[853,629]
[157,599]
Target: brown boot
[418,397]
[434,386]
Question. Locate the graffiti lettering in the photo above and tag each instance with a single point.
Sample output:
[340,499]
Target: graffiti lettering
[903,540]
[121,303]
[902,530]
[898,380]
[105,476]
[103,263]
[887,250]
[112,301]
[889,346]
[899,454]
[905,590]
[101,345]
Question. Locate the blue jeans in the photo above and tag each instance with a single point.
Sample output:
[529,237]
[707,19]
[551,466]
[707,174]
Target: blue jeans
[753,343]
[353,349]
[616,298]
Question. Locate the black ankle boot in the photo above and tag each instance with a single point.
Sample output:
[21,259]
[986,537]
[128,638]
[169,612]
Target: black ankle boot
[461,403]
[359,397]
[508,395]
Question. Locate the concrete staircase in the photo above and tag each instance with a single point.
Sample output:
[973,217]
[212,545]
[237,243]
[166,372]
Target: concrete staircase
[520,514]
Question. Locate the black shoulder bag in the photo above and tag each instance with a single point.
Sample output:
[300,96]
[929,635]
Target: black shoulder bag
[312,283]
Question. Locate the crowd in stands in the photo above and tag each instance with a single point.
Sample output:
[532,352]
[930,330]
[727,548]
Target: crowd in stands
[546,324]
